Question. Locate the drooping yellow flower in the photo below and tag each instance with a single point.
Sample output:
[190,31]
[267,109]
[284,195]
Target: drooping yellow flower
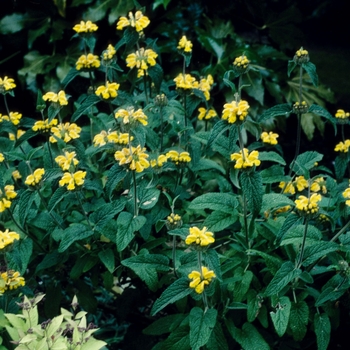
[109,53]
[88,61]
[19,133]
[35,178]
[44,125]
[301,183]
[343,146]
[200,237]
[178,158]
[270,138]
[137,21]
[73,180]
[5,197]
[185,44]
[59,98]
[185,81]
[318,185]
[107,91]
[141,59]
[206,114]
[67,132]
[159,162]
[204,85]
[346,194]
[233,111]
[308,205]
[85,27]
[341,114]
[201,279]
[6,84]
[131,117]
[134,160]
[246,159]
[7,237]
[289,188]
[65,161]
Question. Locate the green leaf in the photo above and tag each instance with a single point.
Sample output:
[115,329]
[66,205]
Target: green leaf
[13,23]
[298,319]
[282,109]
[146,267]
[218,220]
[201,326]
[208,164]
[311,71]
[280,318]
[274,201]
[217,340]
[253,85]
[127,225]
[322,330]
[273,263]
[156,73]
[115,174]
[148,197]
[252,189]
[218,128]
[179,339]
[18,258]
[305,162]
[25,202]
[73,233]
[242,284]
[340,166]
[106,213]
[164,325]
[318,250]
[176,291]
[316,109]
[272,157]
[89,102]
[291,66]
[283,276]
[273,174]
[225,202]
[69,77]
[291,220]
[107,258]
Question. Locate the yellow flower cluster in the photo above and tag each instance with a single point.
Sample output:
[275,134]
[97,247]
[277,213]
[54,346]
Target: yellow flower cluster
[185,44]
[318,185]
[206,114]
[87,62]
[246,160]
[109,53]
[241,63]
[66,132]
[200,237]
[301,56]
[308,205]
[65,161]
[105,137]
[19,133]
[173,221]
[300,183]
[59,98]
[5,197]
[159,162]
[178,158]
[71,180]
[201,279]
[13,117]
[10,280]
[302,52]
[35,178]
[341,114]
[188,82]
[44,125]
[141,59]
[233,111]
[107,91]
[7,237]
[137,21]
[343,146]
[131,117]
[184,81]
[6,84]
[204,85]
[269,138]
[85,27]
[134,159]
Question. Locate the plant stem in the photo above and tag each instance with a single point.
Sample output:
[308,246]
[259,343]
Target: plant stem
[301,256]
[245,221]
[174,256]
[161,129]
[145,87]
[136,208]
[84,213]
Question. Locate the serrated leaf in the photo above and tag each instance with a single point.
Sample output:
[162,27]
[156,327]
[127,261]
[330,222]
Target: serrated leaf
[310,69]
[280,318]
[73,233]
[89,102]
[305,162]
[201,326]
[298,319]
[218,220]
[217,340]
[340,166]
[316,109]
[106,213]
[176,291]
[252,189]
[290,221]
[241,286]
[272,157]
[25,202]
[272,263]
[107,258]
[274,201]
[218,128]
[273,174]
[283,276]
[322,330]
[318,250]
[156,73]
[146,267]
[18,258]
[115,175]
[148,198]
[179,339]
[278,110]
[225,202]
[208,164]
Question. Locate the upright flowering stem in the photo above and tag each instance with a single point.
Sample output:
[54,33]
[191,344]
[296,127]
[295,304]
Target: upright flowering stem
[136,208]
[204,295]
[302,249]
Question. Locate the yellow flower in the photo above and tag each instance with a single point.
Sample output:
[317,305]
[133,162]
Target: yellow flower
[246,160]
[35,178]
[173,221]
[289,188]
[282,210]
[159,162]
[342,146]
[341,114]
[109,53]
[7,237]
[141,59]
[137,21]
[134,160]
[200,280]
[206,113]
[233,111]
[6,84]
[13,118]
[2,158]
[16,175]
[14,137]
[270,138]
[318,185]
[87,62]
[204,85]
[44,125]
[178,158]
[65,161]
[73,180]
[185,44]
[301,183]
[65,131]
[59,98]
[130,116]
[185,81]
[10,280]
[308,205]
[85,27]
[107,91]
[241,62]
[113,137]
[346,194]
[5,197]
[200,237]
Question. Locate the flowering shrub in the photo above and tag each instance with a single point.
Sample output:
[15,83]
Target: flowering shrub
[147,198]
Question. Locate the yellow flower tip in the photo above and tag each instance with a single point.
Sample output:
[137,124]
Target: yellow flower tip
[132,117]
[85,27]
[8,237]
[199,237]
[35,178]
[308,205]
[206,114]
[233,111]
[60,98]
[136,159]
[185,44]
[137,21]
[107,91]
[159,162]
[71,180]
[269,138]
[201,279]
[178,158]
[88,61]
[10,280]
[66,132]
[6,84]
[185,82]
[246,160]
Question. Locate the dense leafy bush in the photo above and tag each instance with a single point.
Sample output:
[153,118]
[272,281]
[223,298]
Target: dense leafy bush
[150,185]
